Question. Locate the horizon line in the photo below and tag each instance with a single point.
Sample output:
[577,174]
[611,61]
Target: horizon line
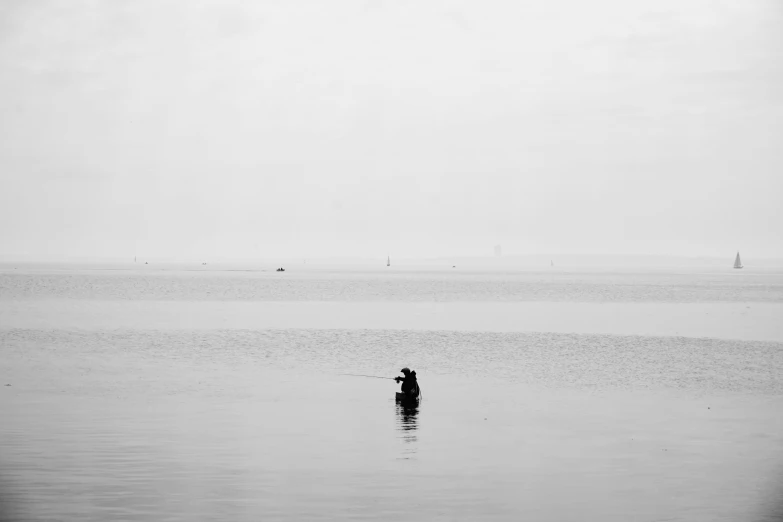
[409,258]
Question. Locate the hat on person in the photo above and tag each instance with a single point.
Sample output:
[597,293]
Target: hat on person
[405,370]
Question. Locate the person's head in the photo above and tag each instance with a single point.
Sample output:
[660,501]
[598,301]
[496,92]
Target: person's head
[406,371]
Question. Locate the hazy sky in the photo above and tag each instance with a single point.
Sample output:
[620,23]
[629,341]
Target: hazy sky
[201,129]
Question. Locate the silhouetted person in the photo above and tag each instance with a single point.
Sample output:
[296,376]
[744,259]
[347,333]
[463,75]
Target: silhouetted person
[410,387]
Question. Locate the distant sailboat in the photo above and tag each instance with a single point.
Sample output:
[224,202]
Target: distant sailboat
[737,262]
[388,261]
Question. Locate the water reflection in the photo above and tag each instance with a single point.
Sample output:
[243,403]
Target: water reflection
[408,424]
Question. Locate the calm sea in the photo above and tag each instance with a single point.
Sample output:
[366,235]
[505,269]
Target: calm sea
[554,395]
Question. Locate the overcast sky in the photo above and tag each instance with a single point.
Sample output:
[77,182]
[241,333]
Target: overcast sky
[201,129]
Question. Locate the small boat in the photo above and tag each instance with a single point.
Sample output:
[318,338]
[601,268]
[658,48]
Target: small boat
[402,397]
[406,397]
[737,262]
[388,261]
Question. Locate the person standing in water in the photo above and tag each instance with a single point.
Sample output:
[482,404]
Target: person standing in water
[410,387]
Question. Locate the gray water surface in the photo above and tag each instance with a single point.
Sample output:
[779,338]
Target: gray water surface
[131,419]
[397,284]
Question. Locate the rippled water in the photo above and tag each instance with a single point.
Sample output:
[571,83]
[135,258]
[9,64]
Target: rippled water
[408,286]
[581,362]
[126,420]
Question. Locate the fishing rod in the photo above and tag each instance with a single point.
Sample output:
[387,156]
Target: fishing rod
[420,396]
[370,376]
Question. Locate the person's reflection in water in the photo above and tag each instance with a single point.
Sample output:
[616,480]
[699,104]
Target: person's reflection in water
[407,424]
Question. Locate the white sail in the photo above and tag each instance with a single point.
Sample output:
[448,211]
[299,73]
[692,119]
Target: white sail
[737,262]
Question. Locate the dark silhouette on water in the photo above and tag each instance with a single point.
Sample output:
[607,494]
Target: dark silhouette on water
[281,269]
[409,390]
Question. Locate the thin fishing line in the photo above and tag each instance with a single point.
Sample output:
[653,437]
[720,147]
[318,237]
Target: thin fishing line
[370,376]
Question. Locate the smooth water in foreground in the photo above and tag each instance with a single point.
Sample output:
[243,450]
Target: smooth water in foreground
[169,405]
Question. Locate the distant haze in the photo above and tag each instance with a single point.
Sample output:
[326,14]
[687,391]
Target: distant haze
[225,129]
